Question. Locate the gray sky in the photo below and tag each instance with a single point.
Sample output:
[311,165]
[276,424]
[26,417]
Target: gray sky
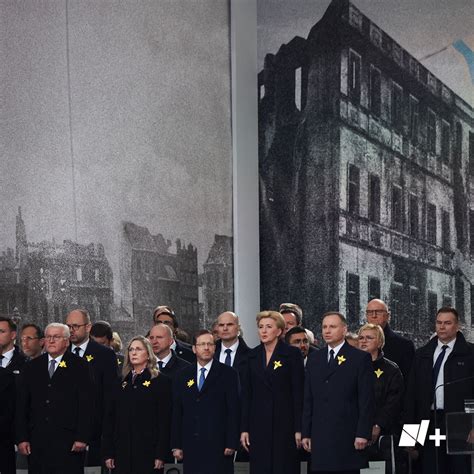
[420,26]
[150,90]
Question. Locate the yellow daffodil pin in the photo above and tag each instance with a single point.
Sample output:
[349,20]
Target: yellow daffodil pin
[378,373]
[190,383]
[89,358]
[124,384]
[119,361]
[276,364]
[146,383]
[62,364]
[340,360]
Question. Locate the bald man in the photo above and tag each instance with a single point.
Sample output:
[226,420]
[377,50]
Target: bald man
[231,349]
[397,348]
[103,365]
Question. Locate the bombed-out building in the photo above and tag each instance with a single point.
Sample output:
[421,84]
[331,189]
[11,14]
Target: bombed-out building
[45,280]
[218,279]
[367,178]
[151,274]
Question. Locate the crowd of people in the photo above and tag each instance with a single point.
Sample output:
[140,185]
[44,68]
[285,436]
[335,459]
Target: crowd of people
[69,398]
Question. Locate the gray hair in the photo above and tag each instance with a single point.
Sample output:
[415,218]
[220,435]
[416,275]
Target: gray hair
[66,332]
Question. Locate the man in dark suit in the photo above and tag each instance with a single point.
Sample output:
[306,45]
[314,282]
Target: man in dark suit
[298,338]
[32,340]
[7,413]
[166,315]
[11,358]
[397,348]
[205,429]
[161,339]
[441,378]
[339,402]
[53,415]
[231,349]
[103,364]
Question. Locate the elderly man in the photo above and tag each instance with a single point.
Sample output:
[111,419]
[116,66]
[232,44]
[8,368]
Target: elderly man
[11,358]
[205,428]
[338,402]
[397,348]
[231,349]
[166,315]
[32,340]
[103,365]
[161,339]
[53,416]
[441,378]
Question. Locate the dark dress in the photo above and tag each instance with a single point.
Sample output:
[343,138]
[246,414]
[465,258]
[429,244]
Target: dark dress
[7,413]
[137,425]
[272,398]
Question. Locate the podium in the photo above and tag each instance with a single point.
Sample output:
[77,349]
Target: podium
[460,435]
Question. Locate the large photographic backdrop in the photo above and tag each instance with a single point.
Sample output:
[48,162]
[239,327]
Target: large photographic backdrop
[366,158]
[116,168]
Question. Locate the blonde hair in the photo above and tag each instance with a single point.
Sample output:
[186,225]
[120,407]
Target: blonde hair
[377,329]
[275,315]
[116,342]
[152,360]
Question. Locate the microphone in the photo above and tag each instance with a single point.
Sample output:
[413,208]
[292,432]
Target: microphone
[451,382]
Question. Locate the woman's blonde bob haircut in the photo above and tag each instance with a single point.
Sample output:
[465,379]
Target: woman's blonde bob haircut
[377,329]
[275,315]
[152,360]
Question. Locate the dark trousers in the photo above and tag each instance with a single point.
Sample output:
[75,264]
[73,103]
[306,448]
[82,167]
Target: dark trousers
[435,460]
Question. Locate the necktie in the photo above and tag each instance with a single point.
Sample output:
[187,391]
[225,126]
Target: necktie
[52,364]
[77,351]
[160,365]
[228,360]
[1,360]
[332,361]
[201,378]
[437,365]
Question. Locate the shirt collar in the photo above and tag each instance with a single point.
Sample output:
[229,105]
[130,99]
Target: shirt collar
[450,344]
[58,359]
[7,356]
[207,367]
[337,348]
[233,347]
[166,359]
[83,346]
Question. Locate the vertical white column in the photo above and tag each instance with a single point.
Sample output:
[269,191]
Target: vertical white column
[243,16]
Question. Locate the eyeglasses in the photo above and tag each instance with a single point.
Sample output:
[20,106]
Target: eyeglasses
[135,349]
[28,338]
[375,312]
[205,344]
[75,327]
[55,337]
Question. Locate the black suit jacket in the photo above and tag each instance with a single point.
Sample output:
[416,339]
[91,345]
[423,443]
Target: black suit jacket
[7,413]
[240,355]
[206,422]
[174,365]
[339,406]
[419,392]
[399,350]
[185,351]
[54,412]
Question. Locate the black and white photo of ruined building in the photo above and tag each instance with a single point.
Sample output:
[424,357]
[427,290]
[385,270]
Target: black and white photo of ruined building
[366,163]
[116,161]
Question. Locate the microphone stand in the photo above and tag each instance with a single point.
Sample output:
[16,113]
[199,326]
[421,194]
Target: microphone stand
[451,382]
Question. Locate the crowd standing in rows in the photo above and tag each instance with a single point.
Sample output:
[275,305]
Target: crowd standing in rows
[68,398]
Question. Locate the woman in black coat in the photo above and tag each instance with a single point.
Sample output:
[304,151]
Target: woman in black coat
[137,427]
[389,389]
[272,397]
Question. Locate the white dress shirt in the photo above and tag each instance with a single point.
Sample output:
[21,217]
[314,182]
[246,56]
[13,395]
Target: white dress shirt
[223,353]
[83,348]
[440,380]
[57,359]
[165,360]
[335,349]
[206,372]
[7,358]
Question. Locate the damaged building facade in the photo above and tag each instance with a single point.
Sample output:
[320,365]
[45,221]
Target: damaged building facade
[367,179]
